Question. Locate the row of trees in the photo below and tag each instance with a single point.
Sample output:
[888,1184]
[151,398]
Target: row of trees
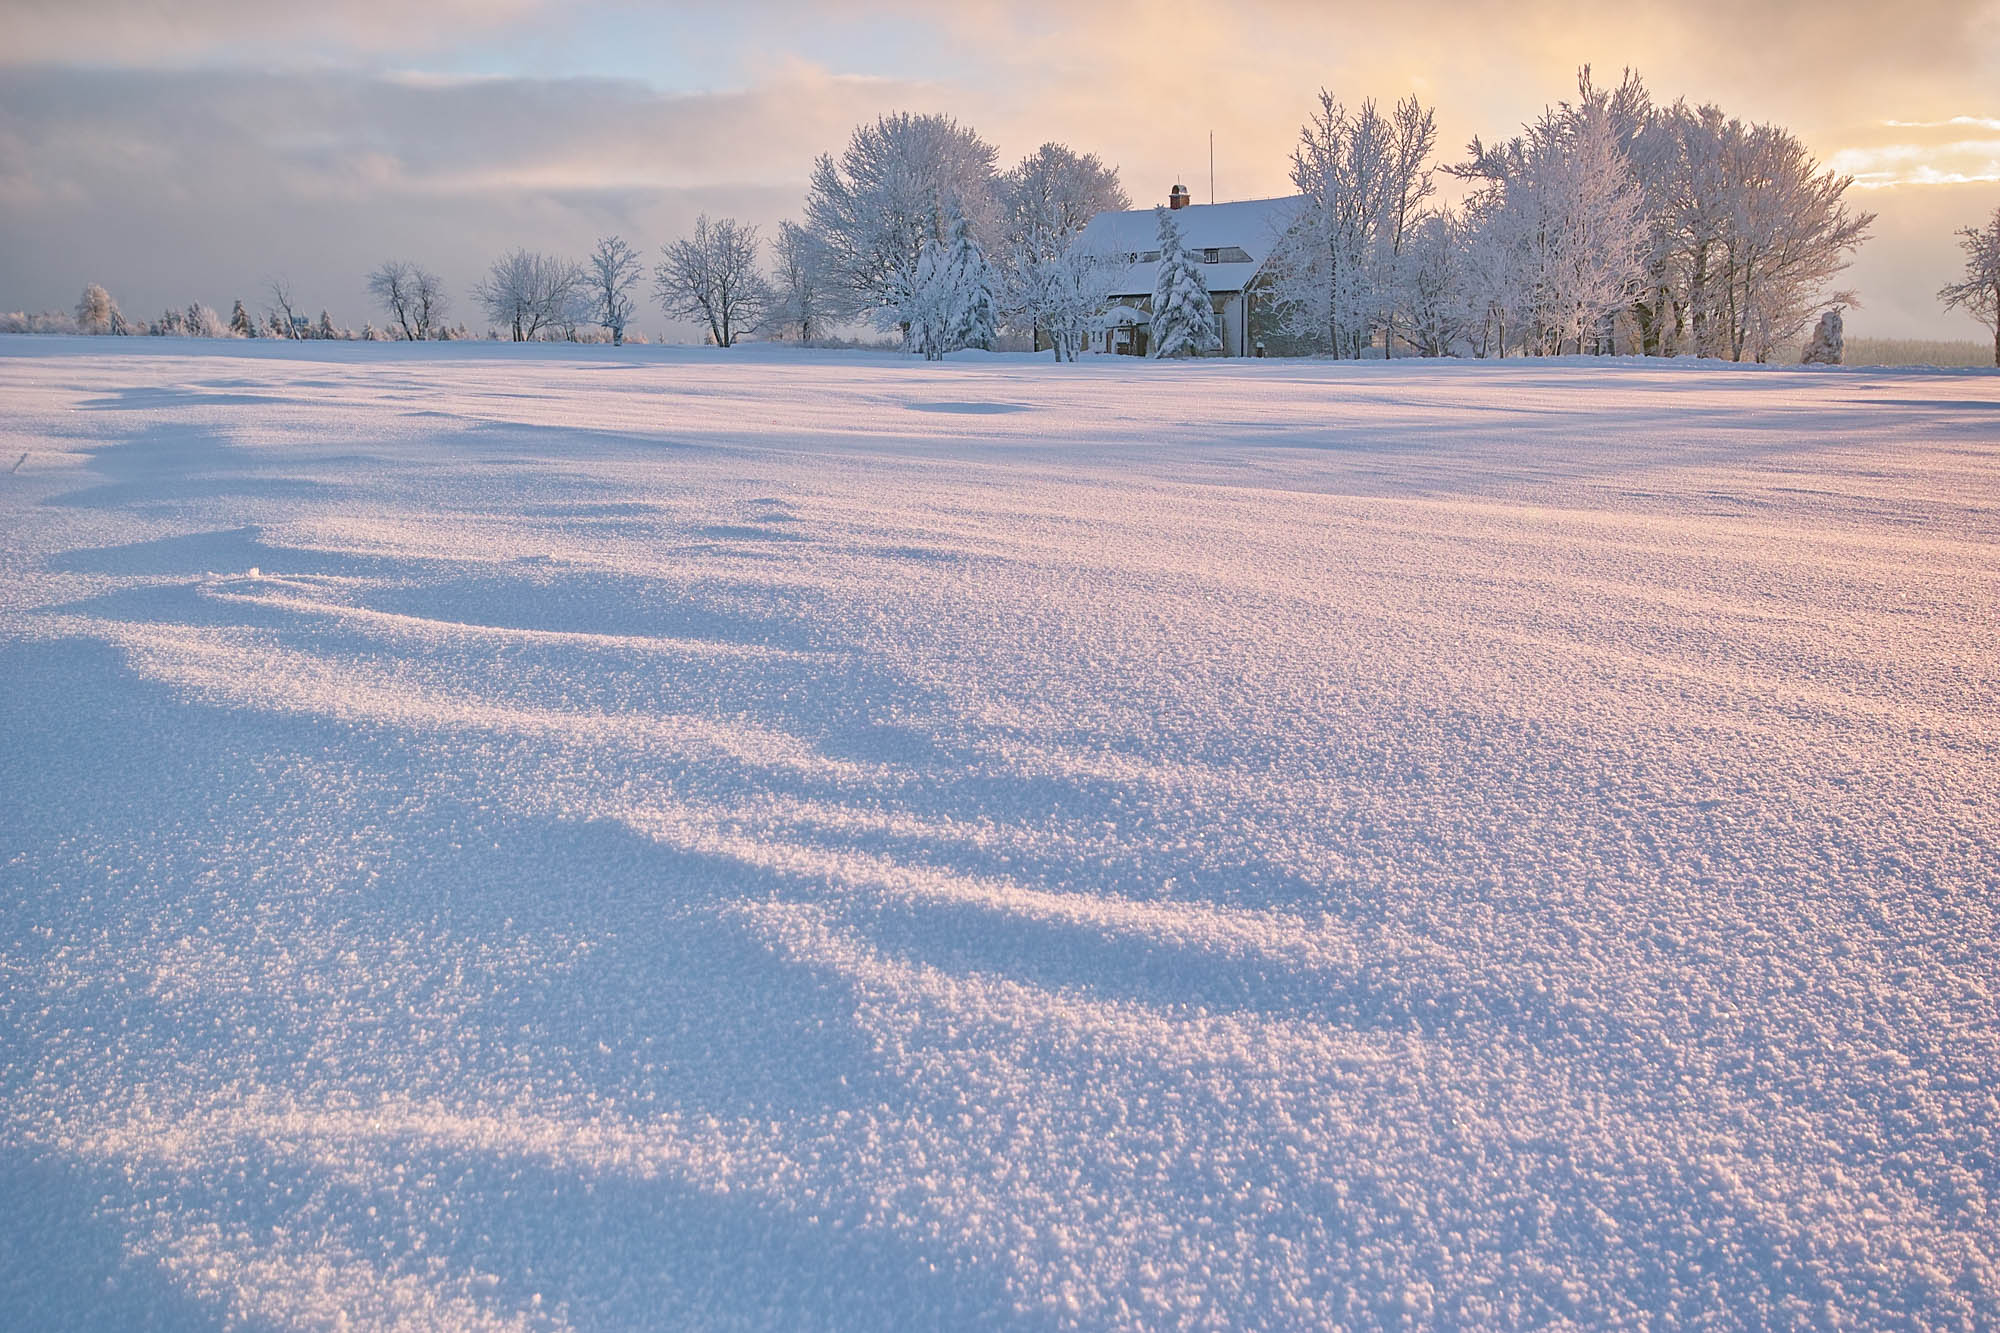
[912,230]
[1708,236]
[97,313]
[1608,222]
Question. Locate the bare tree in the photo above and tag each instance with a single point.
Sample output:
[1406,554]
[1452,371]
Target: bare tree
[529,293]
[1978,293]
[287,321]
[412,295]
[1412,137]
[712,276]
[614,269]
[805,297]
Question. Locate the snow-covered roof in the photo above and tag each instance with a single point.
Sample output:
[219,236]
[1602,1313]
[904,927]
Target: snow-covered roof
[1250,226]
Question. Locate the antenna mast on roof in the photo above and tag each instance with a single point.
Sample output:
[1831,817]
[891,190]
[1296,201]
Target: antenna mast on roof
[1211,166]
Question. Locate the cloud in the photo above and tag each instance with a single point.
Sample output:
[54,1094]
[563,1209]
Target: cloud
[1955,122]
[171,186]
[179,151]
[1955,163]
[146,33]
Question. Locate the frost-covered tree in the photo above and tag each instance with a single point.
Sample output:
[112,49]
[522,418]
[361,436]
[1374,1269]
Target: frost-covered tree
[96,312]
[712,277]
[1183,314]
[530,294]
[1046,202]
[1364,177]
[1412,139]
[1434,308]
[897,188]
[325,329]
[1978,292]
[240,323]
[171,324]
[1790,232]
[1069,295]
[614,270]
[1566,234]
[411,295]
[804,298]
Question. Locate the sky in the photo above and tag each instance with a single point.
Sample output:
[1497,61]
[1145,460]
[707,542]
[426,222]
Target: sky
[193,150]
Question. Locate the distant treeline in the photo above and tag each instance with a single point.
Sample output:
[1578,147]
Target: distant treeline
[1611,223]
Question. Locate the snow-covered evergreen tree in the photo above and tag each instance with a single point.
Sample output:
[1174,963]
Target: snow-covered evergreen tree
[929,312]
[240,325]
[325,328]
[950,302]
[970,279]
[1183,314]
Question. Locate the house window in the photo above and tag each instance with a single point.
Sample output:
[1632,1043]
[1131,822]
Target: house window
[1211,255]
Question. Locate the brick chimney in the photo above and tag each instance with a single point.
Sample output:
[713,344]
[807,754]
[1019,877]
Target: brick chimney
[1177,197]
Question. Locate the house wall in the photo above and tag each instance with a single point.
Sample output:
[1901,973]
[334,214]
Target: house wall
[1235,320]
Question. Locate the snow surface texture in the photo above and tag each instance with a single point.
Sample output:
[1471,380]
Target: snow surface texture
[538,838]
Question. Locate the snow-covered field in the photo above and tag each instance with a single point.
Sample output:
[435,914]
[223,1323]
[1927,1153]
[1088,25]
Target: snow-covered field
[553,838]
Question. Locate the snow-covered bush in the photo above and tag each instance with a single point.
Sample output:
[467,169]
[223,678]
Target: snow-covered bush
[1828,343]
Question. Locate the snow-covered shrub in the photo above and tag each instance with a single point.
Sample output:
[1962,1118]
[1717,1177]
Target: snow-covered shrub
[1828,344]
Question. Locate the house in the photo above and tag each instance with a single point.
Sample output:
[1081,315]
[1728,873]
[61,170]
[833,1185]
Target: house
[1231,241]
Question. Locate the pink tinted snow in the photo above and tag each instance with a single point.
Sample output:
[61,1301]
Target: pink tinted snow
[569,838]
